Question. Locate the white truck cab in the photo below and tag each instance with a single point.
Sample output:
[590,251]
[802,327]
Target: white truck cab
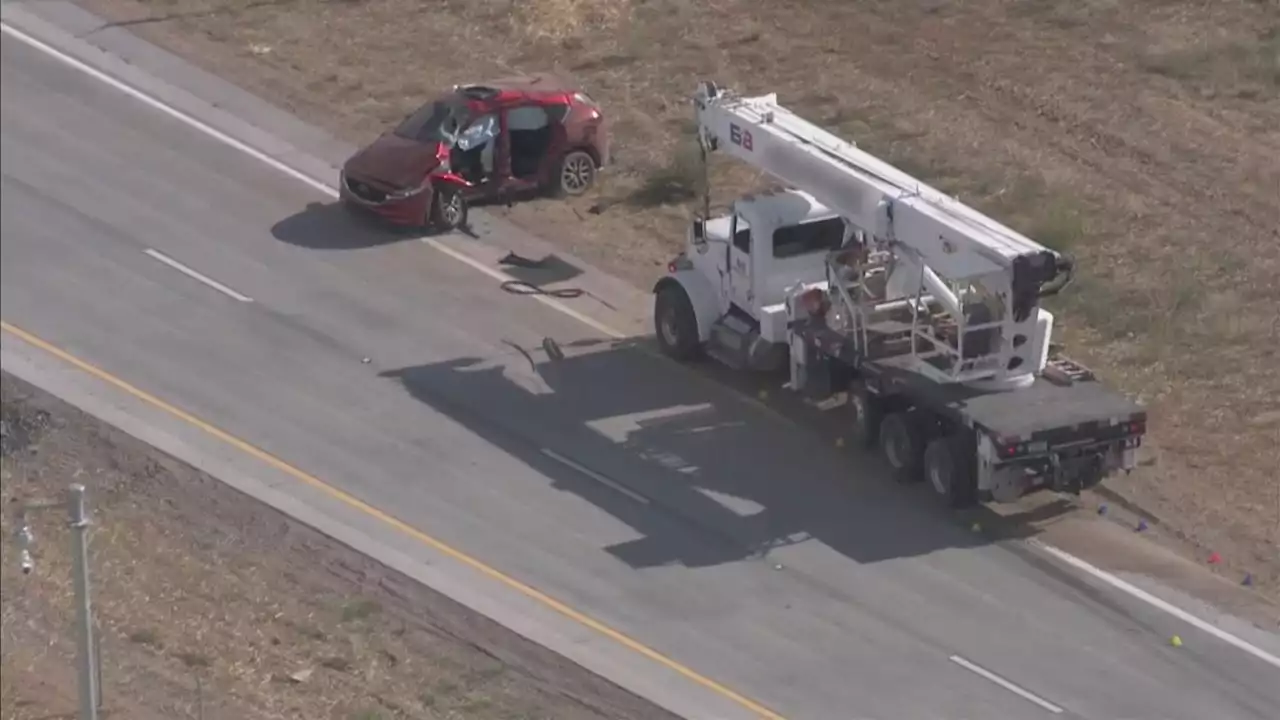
[738,270]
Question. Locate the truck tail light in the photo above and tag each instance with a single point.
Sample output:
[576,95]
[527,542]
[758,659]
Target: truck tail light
[1008,447]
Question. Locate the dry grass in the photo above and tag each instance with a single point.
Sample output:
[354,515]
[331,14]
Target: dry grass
[194,583]
[1244,67]
[561,19]
[1144,136]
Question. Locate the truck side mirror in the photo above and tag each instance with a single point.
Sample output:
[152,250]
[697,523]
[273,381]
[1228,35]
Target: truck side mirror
[699,232]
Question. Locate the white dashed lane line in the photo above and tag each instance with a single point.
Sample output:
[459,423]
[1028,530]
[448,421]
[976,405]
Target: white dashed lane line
[607,482]
[1006,684]
[156,254]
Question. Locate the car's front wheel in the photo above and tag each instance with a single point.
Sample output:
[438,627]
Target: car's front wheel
[449,210]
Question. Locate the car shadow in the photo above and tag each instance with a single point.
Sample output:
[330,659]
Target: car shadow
[705,479]
[338,226]
[335,226]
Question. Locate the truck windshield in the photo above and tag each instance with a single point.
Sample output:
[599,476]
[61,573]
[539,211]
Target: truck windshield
[437,121]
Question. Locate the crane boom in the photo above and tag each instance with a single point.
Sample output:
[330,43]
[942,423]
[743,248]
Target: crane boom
[947,236]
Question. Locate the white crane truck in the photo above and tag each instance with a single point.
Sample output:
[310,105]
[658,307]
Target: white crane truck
[858,278]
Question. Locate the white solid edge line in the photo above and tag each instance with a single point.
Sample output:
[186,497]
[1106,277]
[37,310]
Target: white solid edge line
[1007,685]
[1168,607]
[549,302]
[595,475]
[166,109]
[198,276]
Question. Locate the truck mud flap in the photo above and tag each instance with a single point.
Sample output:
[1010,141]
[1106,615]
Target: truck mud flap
[1074,473]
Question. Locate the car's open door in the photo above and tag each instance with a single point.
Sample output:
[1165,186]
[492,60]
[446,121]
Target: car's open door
[557,142]
[531,134]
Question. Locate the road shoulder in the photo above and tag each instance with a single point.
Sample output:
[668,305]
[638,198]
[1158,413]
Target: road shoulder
[447,573]
[207,599]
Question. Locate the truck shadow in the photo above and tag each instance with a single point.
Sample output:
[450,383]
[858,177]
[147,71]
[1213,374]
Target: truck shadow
[707,479]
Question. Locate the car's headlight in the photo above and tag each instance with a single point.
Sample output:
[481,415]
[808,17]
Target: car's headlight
[410,192]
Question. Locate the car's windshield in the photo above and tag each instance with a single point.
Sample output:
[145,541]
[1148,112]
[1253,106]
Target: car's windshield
[437,121]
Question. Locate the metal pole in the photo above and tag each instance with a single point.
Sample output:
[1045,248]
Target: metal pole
[97,667]
[85,656]
[706,180]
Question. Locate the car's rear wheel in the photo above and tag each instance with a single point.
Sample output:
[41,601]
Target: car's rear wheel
[577,173]
[449,210]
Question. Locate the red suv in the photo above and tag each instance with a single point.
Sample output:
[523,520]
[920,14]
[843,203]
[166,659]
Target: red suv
[483,141]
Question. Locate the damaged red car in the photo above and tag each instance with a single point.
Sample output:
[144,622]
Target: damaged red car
[479,142]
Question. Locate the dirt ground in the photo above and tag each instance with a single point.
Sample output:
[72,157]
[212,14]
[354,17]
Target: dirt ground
[206,598]
[1142,135]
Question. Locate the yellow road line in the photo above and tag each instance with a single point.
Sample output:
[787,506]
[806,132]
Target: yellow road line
[403,527]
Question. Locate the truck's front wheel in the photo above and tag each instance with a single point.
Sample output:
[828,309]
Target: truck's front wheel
[675,324]
[949,467]
[901,443]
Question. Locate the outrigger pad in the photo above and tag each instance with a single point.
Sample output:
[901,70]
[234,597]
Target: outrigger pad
[521,261]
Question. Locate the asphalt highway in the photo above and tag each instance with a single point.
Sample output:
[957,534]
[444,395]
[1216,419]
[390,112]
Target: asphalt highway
[738,544]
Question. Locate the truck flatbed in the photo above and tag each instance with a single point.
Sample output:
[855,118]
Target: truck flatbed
[1043,406]
[1040,407]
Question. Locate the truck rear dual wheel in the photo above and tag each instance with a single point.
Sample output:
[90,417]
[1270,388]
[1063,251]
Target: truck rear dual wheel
[902,445]
[948,465]
[865,415]
[914,452]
